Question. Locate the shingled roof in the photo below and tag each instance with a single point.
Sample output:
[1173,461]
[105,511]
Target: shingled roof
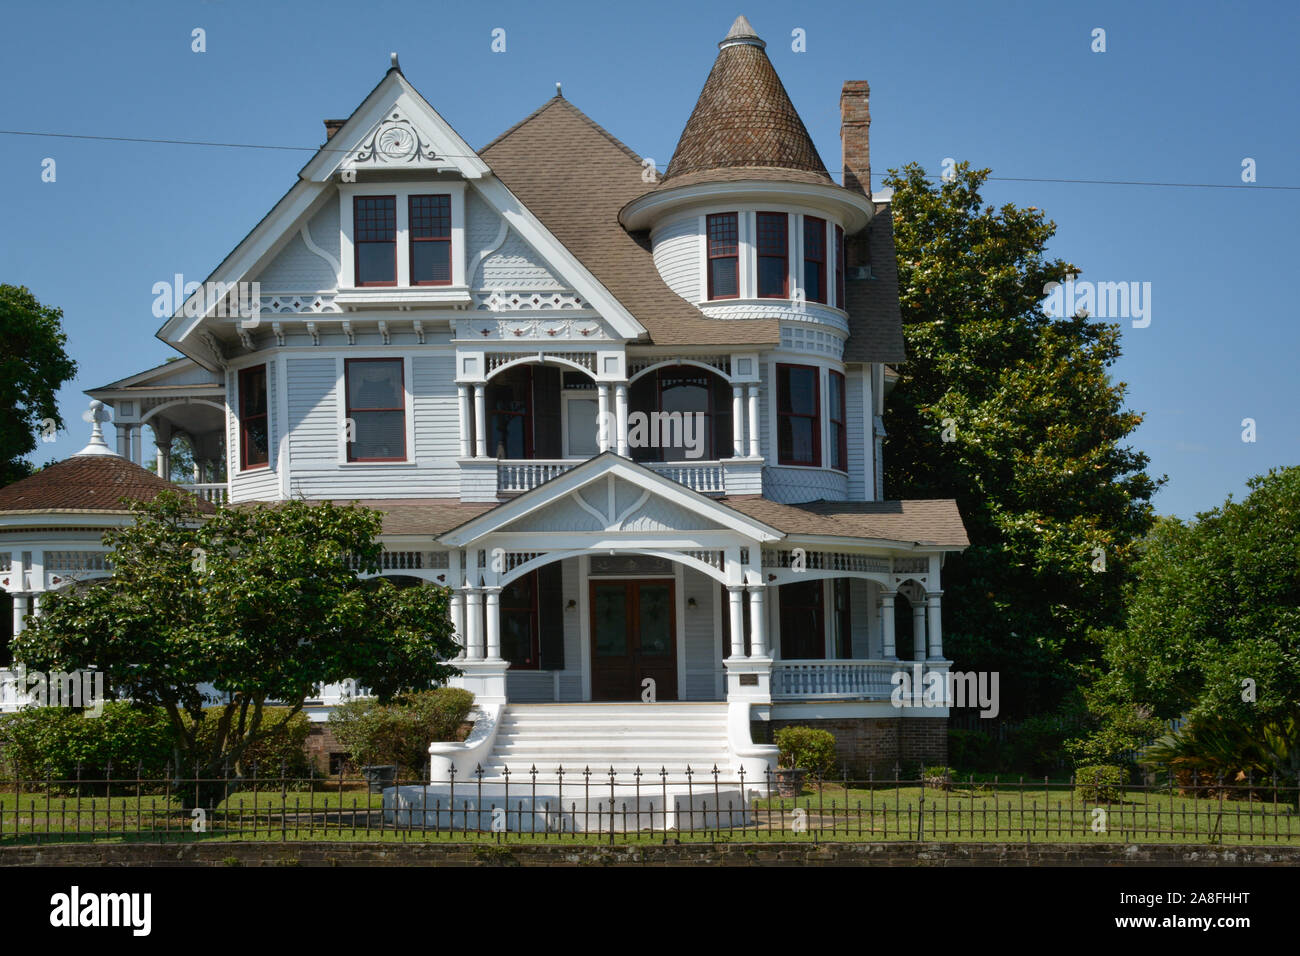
[931,522]
[579,203]
[94,482]
[743,119]
[875,320]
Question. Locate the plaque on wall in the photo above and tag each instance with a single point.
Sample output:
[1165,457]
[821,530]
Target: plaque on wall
[639,564]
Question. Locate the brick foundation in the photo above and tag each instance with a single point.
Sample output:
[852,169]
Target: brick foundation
[320,745]
[874,744]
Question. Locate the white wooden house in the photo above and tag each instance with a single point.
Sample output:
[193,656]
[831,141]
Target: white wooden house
[633,420]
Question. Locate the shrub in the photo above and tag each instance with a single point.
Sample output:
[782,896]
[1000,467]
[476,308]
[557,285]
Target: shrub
[39,742]
[972,750]
[938,778]
[281,754]
[400,733]
[1099,783]
[806,747]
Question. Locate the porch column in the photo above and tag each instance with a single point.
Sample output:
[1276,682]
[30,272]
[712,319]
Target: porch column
[936,627]
[753,421]
[737,421]
[620,406]
[135,444]
[463,404]
[492,617]
[20,613]
[480,422]
[603,429]
[36,604]
[473,624]
[757,631]
[735,597]
[918,630]
[161,455]
[887,627]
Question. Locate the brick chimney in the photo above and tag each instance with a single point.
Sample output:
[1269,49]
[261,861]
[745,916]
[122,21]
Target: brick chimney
[332,127]
[855,129]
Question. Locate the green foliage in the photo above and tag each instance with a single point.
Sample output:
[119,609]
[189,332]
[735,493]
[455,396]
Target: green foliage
[1101,783]
[33,366]
[937,778]
[1225,746]
[807,748]
[1213,621]
[280,754]
[972,750]
[400,732]
[263,603]
[1037,464]
[37,742]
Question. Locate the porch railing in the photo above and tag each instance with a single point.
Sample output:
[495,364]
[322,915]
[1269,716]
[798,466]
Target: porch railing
[706,477]
[214,492]
[817,679]
[514,477]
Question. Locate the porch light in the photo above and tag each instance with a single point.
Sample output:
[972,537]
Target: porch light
[690,602]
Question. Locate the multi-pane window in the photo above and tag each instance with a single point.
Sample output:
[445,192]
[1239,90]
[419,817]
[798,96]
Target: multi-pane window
[374,231]
[814,259]
[773,255]
[839,445]
[430,223]
[376,410]
[724,256]
[254,437]
[839,267]
[798,410]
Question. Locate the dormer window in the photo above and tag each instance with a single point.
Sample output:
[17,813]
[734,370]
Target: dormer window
[773,255]
[724,256]
[430,218]
[375,225]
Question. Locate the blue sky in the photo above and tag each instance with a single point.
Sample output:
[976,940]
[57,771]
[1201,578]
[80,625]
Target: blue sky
[1183,93]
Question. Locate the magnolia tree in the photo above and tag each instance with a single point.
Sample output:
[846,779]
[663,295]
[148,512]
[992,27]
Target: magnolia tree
[263,603]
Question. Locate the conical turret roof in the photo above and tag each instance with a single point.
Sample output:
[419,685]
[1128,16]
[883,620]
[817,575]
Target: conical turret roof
[744,121]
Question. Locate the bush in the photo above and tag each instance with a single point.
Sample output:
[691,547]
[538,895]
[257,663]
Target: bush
[937,778]
[39,742]
[1099,783]
[808,748]
[400,733]
[282,754]
[972,750]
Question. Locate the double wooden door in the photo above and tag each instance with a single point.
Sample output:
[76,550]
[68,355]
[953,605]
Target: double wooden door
[633,637]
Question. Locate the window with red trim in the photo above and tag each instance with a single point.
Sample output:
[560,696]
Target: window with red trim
[374,239]
[376,409]
[254,435]
[773,255]
[798,415]
[430,225]
[839,267]
[839,450]
[814,259]
[724,256]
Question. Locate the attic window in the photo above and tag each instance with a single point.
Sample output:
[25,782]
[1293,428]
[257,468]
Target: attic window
[724,256]
[375,230]
[430,240]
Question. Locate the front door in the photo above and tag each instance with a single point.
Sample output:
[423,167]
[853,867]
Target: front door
[633,637]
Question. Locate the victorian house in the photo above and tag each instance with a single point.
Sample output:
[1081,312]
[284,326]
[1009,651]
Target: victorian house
[632,419]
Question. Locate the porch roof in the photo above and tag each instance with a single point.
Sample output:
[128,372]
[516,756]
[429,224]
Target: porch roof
[930,522]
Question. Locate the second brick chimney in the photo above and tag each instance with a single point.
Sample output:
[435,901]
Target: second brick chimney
[855,138]
[332,126]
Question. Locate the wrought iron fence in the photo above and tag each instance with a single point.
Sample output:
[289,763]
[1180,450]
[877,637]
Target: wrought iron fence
[590,805]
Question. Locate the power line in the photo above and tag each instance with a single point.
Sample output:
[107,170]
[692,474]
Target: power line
[875,176]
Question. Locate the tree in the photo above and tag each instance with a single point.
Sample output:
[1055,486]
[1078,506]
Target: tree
[262,603]
[1212,630]
[1014,415]
[33,367]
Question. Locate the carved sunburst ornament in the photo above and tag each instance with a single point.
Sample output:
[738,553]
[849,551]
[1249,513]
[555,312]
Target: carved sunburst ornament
[397,142]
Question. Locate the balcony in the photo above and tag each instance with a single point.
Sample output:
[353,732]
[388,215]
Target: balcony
[216,493]
[834,679]
[516,477]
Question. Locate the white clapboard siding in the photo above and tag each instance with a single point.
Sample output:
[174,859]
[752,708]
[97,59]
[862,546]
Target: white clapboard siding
[701,641]
[677,256]
[857,436]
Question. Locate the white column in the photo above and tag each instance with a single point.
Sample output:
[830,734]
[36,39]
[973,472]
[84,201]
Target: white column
[620,404]
[936,626]
[36,604]
[757,630]
[462,402]
[473,624]
[735,596]
[480,423]
[135,444]
[918,630]
[887,627]
[20,613]
[737,421]
[160,459]
[753,421]
[603,424]
[492,617]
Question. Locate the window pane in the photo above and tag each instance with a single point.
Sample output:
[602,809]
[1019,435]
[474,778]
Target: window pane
[582,427]
[610,620]
[375,219]
[255,442]
[655,610]
[379,435]
[376,262]
[772,239]
[375,385]
[796,437]
[723,234]
[724,279]
[430,217]
[797,390]
[771,277]
[253,392]
[431,261]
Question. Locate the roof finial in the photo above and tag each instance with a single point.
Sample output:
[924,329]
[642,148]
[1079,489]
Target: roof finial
[558,91]
[741,33]
[96,415]
[396,66]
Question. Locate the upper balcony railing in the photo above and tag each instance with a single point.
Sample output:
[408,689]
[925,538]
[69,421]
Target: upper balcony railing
[515,477]
[215,492]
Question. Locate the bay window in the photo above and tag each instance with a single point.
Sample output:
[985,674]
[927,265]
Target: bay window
[254,436]
[724,256]
[814,259]
[798,409]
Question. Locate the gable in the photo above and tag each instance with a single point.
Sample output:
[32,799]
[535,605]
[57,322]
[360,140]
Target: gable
[309,259]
